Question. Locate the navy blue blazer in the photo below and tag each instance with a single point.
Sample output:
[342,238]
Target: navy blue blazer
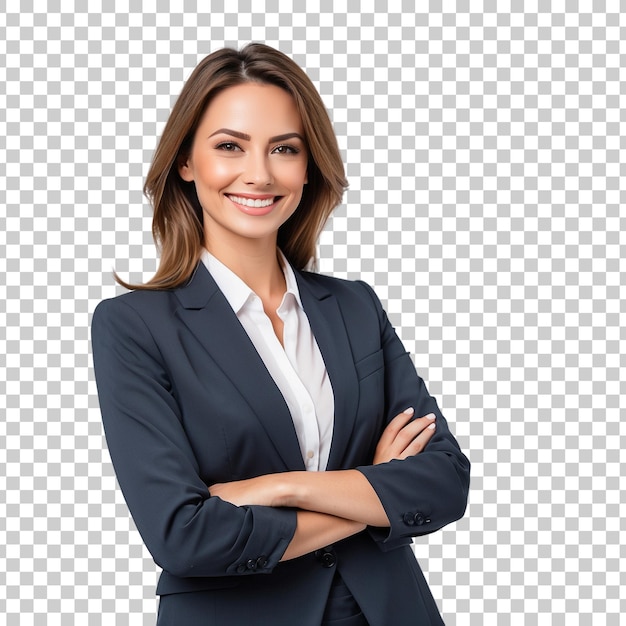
[186,402]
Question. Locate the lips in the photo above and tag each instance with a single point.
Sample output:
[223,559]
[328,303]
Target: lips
[253,203]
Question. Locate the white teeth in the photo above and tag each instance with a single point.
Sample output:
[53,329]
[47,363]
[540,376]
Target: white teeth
[252,203]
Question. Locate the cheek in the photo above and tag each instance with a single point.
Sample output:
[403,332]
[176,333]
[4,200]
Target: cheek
[295,177]
[217,173]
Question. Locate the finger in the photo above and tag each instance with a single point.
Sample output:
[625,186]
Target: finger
[412,430]
[418,444]
[395,426]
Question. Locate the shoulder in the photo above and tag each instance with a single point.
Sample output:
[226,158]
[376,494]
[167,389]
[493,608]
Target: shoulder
[357,301]
[134,309]
[357,291]
[138,299]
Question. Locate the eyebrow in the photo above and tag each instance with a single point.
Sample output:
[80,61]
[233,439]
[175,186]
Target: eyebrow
[246,137]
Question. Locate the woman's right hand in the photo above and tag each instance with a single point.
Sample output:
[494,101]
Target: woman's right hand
[404,436]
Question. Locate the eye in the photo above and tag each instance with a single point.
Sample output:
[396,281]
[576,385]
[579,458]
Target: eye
[285,149]
[228,146]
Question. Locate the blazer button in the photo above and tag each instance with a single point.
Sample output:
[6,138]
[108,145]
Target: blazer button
[419,519]
[251,564]
[409,519]
[241,568]
[329,559]
[261,562]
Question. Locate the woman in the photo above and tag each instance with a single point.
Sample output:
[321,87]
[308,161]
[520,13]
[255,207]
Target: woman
[257,415]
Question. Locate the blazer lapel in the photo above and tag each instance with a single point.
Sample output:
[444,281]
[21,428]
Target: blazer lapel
[207,314]
[329,329]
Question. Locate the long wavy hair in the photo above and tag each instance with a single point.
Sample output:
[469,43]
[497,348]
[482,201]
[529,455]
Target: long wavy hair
[177,224]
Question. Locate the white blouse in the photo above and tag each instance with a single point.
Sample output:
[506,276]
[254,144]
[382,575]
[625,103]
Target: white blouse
[297,369]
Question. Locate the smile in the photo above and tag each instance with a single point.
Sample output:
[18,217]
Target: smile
[253,203]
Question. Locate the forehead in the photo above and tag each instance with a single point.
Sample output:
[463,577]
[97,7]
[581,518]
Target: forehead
[254,108]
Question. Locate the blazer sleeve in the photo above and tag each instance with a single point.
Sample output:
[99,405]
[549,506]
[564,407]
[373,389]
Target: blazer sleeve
[187,532]
[424,492]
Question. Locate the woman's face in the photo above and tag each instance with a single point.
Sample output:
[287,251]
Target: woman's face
[249,163]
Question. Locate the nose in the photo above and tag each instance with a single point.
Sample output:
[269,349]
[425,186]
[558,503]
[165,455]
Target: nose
[257,171]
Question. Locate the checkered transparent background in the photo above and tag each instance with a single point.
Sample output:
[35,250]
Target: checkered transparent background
[485,149]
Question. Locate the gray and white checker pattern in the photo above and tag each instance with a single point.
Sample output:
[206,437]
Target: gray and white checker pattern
[485,149]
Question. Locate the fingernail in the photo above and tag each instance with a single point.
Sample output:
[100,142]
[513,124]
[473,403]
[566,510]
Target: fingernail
[409,411]
[432,426]
[431,416]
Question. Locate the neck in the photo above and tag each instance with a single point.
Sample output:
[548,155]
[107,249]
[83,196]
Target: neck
[258,266]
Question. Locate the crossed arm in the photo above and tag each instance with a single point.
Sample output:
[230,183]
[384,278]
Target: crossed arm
[331,505]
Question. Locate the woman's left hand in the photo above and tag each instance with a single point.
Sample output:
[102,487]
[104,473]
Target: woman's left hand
[268,490]
[404,437]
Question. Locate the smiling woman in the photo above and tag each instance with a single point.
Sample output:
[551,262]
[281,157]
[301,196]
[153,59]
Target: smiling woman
[248,161]
[273,441]
[178,223]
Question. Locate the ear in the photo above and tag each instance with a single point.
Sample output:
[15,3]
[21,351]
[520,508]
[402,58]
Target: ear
[184,169]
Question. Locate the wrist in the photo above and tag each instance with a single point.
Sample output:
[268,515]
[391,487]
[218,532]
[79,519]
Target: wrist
[292,489]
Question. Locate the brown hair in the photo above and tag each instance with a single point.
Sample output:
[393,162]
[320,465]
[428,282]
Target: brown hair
[177,222]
